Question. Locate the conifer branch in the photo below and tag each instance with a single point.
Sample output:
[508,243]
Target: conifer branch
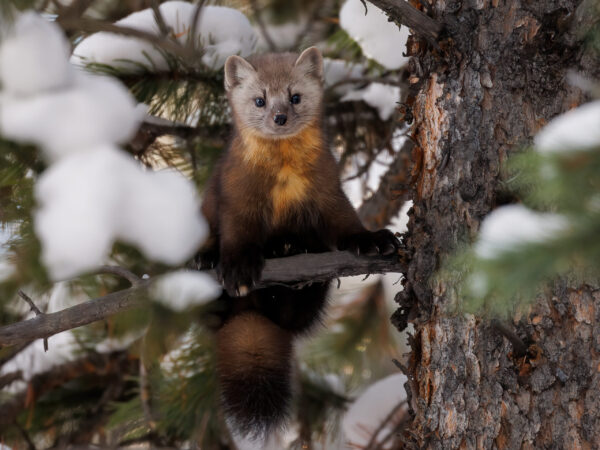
[294,271]
[93,26]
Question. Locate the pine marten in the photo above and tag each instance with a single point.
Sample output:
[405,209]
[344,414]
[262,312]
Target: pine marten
[275,192]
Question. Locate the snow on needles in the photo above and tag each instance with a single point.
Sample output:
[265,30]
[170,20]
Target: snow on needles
[379,39]
[91,199]
[93,194]
[221,32]
[184,288]
[508,227]
[577,129]
[91,111]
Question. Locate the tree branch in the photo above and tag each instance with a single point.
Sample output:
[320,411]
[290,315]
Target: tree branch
[294,271]
[118,271]
[402,12]
[262,26]
[94,26]
[105,364]
[381,207]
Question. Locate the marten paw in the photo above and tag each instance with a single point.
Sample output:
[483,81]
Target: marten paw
[240,272]
[382,242]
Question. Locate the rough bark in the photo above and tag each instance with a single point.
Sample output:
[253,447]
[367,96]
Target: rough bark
[497,76]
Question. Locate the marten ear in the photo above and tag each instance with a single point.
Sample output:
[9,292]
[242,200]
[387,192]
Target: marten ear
[236,69]
[310,62]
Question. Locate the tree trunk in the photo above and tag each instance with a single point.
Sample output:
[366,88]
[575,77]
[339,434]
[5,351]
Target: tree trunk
[498,75]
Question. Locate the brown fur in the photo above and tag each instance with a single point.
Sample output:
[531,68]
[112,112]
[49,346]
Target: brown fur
[276,191]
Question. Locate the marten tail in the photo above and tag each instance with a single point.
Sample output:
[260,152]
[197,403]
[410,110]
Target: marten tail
[254,367]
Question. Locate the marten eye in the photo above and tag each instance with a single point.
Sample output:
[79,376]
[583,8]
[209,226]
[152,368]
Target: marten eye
[259,101]
[295,99]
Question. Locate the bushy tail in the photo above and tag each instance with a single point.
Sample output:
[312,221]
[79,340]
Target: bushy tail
[254,366]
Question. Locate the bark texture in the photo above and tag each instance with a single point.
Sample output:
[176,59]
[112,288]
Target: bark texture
[498,75]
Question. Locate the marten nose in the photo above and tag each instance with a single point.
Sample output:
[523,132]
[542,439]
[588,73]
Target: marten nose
[280,119]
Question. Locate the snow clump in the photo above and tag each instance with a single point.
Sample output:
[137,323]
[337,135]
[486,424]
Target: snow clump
[91,111]
[93,194]
[378,38]
[384,98]
[336,70]
[508,227]
[34,57]
[89,200]
[577,129]
[221,32]
[184,288]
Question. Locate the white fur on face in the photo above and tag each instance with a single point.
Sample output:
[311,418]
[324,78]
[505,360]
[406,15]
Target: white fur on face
[275,79]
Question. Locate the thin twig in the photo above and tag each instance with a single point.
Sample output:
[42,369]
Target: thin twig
[36,310]
[262,26]
[164,29]
[363,80]
[193,31]
[120,272]
[23,431]
[373,441]
[311,19]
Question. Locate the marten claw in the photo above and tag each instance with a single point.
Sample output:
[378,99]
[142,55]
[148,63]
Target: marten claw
[240,272]
[382,242]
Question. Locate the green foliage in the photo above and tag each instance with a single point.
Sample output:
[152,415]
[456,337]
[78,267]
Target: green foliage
[565,183]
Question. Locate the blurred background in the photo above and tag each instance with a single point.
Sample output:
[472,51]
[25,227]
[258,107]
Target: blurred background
[145,378]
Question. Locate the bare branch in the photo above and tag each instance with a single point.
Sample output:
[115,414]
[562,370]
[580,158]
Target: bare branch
[363,81]
[379,209]
[165,30]
[120,272]
[195,19]
[262,26]
[85,313]
[294,271]
[402,12]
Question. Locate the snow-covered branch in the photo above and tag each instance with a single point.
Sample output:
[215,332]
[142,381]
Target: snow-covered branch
[93,26]
[293,271]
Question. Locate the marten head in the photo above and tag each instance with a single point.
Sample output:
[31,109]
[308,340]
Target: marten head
[275,95]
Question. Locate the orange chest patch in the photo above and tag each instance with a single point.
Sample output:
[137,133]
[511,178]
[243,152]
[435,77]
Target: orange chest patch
[290,188]
[289,162]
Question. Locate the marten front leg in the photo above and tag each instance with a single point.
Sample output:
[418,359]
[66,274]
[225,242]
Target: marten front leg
[349,233]
[241,254]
